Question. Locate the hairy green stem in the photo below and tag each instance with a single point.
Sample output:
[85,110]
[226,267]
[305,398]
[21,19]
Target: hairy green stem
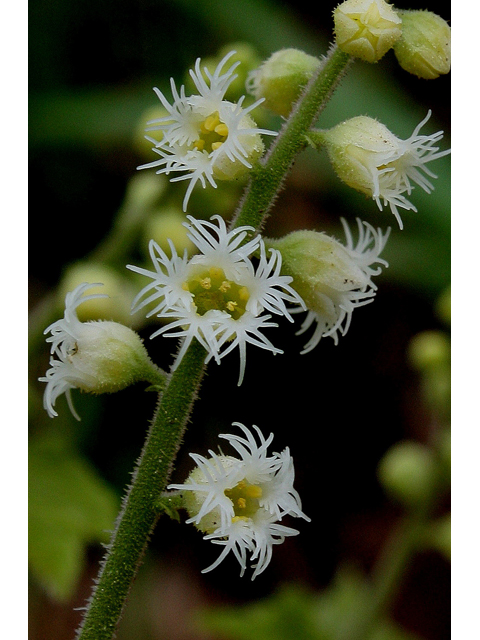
[268,176]
[140,512]
[143,501]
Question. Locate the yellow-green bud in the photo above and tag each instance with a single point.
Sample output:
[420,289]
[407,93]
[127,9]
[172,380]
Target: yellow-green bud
[424,48]
[282,78]
[116,306]
[167,224]
[249,59]
[429,350]
[366,29]
[408,473]
[141,144]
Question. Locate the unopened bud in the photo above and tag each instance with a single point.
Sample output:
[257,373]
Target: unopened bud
[408,473]
[366,29]
[425,46]
[281,79]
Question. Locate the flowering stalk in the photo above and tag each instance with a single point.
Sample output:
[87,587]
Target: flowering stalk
[139,514]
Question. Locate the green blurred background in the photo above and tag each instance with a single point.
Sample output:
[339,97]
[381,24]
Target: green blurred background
[93,64]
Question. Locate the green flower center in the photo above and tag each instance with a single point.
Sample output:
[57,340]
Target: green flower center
[212,134]
[245,498]
[212,290]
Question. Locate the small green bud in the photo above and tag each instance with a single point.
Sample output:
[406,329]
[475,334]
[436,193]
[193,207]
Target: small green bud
[429,350]
[282,78]
[249,58]
[366,29]
[141,144]
[408,473]
[116,306]
[167,224]
[424,48]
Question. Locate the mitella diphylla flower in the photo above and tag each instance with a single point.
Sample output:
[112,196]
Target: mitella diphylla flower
[218,296]
[333,279]
[239,502]
[95,356]
[371,159]
[204,135]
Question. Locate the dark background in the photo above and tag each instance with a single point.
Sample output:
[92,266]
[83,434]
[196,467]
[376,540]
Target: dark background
[339,408]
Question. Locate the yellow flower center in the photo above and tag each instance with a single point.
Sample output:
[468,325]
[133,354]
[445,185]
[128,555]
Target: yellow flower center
[212,133]
[212,290]
[245,498]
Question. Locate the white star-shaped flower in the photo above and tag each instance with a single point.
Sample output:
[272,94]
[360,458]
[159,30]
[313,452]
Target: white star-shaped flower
[239,502]
[204,136]
[218,296]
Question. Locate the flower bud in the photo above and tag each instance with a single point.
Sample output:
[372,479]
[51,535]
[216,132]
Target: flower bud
[366,29]
[408,473]
[424,48]
[281,79]
[429,350]
[168,224]
[114,305]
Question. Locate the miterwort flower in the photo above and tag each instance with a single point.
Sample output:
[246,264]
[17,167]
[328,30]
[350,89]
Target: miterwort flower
[239,502]
[218,296]
[371,159]
[333,279]
[204,135]
[95,356]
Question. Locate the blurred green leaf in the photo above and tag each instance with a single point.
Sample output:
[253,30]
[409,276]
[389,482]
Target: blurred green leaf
[296,613]
[285,615]
[70,506]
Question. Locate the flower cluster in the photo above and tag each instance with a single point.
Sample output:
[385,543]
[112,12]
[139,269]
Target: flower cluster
[205,135]
[218,296]
[239,501]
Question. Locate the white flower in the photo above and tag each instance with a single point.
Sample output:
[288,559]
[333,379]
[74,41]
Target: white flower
[94,356]
[204,135]
[218,296]
[239,501]
[332,279]
[371,159]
